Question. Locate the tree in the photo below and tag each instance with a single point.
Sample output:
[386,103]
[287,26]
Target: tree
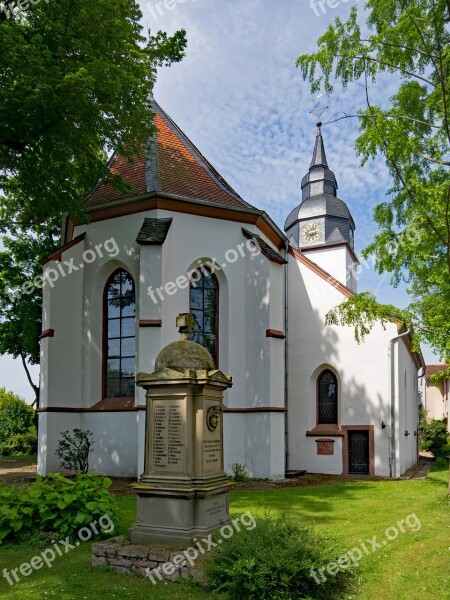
[16,418]
[21,297]
[406,41]
[75,83]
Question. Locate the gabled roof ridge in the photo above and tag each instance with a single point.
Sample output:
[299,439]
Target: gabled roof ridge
[204,162]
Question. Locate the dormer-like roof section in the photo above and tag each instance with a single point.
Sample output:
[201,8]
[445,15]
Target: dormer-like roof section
[172,164]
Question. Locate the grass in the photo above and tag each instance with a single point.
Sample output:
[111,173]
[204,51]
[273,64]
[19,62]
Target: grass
[414,566]
[18,457]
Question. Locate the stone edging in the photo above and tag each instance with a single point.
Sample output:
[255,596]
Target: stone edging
[118,554]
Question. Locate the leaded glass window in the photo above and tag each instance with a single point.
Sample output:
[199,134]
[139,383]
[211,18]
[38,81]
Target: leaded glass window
[327,392]
[120,333]
[203,305]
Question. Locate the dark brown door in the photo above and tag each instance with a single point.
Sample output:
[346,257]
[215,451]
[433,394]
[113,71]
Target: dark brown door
[358,452]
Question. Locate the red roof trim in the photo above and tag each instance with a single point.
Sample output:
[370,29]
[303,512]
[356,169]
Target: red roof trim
[321,273]
[58,253]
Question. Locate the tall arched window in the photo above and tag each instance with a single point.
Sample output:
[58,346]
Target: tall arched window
[327,392]
[204,306]
[119,337]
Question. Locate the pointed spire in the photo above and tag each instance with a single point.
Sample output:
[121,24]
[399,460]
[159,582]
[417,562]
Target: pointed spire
[319,158]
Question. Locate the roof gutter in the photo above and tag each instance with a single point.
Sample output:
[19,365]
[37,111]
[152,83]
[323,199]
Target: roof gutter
[392,448]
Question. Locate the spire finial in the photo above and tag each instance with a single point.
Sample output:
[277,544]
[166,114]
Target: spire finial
[319,158]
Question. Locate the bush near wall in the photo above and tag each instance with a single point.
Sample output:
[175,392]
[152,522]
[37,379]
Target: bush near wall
[55,504]
[17,431]
[434,437]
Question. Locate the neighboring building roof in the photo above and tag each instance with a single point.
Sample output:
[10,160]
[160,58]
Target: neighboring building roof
[432,369]
[172,165]
[153,232]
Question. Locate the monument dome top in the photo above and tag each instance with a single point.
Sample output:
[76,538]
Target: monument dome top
[183,355]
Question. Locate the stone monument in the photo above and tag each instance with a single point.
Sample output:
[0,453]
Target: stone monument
[183,492]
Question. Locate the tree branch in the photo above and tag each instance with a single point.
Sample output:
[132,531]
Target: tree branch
[30,381]
[390,65]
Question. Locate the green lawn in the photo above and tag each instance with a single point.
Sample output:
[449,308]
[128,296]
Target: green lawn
[18,457]
[414,566]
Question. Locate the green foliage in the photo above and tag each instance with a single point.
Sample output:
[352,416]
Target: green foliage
[273,561]
[17,432]
[21,443]
[434,437]
[404,46]
[76,78]
[239,472]
[74,449]
[54,504]
[21,312]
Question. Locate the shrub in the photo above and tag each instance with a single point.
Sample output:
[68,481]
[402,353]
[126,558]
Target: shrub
[16,418]
[239,472]
[23,443]
[54,504]
[274,561]
[434,437]
[74,449]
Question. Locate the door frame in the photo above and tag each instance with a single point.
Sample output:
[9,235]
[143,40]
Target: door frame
[345,446]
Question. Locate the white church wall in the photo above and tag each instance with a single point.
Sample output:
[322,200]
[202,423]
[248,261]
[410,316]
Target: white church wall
[116,442]
[63,305]
[332,260]
[362,373]
[406,407]
[234,439]
[250,302]
[51,426]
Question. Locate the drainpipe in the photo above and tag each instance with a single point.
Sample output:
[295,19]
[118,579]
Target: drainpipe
[392,453]
[286,357]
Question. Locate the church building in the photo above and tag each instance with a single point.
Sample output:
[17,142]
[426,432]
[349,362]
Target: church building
[305,396]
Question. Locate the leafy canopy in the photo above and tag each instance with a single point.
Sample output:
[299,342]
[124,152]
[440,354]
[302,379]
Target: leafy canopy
[75,83]
[405,43]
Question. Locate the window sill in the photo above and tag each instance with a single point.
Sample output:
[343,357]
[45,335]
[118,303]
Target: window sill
[325,430]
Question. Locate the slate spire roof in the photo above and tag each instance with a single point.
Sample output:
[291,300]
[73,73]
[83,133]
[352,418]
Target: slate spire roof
[319,194]
[171,164]
[319,158]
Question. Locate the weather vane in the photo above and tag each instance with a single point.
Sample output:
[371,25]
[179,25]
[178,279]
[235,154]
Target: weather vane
[319,108]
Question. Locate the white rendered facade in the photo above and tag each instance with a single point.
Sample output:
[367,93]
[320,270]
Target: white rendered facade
[269,411]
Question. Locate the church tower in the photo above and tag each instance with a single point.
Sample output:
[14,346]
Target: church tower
[321,226]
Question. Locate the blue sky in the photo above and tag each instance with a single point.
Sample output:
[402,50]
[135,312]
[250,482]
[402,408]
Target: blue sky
[239,97]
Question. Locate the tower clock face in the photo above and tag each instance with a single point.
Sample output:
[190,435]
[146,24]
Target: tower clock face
[311,232]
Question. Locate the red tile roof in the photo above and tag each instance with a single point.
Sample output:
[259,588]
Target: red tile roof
[432,369]
[179,169]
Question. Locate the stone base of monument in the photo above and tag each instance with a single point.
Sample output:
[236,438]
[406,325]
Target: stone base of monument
[157,563]
[179,516]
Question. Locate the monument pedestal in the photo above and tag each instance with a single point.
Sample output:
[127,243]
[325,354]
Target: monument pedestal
[183,492]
